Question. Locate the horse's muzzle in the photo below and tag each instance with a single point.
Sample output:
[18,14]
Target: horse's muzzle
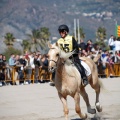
[51,69]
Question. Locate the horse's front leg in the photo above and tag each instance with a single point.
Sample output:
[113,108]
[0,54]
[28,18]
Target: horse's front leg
[77,106]
[65,107]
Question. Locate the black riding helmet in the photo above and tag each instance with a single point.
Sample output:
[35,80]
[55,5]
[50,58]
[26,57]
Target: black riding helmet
[63,28]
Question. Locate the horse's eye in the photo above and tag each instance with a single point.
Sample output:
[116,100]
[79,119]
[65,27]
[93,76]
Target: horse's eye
[57,55]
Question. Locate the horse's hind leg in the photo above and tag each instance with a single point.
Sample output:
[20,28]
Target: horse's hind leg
[96,87]
[77,106]
[86,99]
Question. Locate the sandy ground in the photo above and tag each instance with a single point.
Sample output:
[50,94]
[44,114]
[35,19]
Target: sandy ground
[41,102]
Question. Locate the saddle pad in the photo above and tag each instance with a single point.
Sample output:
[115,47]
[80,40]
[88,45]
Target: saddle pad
[87,68]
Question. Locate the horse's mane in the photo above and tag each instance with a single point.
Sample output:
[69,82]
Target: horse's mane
[63,54]
[70,68]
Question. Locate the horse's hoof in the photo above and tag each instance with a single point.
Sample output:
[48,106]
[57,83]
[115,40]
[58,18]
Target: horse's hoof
[98,107]
[84,116]
[91,111]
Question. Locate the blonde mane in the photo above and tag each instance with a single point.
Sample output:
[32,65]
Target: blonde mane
[70,67]
[71,70]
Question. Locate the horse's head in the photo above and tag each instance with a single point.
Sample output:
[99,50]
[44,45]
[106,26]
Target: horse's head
[53,56]
[56,53]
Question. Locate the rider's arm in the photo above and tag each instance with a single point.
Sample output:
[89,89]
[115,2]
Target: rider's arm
[75,47]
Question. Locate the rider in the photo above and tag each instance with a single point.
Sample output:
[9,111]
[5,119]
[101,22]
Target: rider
[67,43]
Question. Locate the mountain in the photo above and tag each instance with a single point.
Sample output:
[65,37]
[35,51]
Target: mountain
[21,16]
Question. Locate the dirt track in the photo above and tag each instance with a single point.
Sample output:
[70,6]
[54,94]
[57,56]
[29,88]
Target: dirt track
[41,102]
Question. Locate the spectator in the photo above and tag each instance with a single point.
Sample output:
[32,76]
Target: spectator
[28,70]
[37,65]
[82,45]
[1,61]
[44,62]
[116,58]
[12,61]
[111,42]
[21,70]
[31,56]
[117,45]
[89,45]
[2,76]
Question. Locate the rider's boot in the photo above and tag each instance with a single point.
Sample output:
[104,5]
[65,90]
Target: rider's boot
[82,72]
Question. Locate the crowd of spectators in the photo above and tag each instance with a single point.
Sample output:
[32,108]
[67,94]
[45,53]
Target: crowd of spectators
[23,65]
[101,56]
[35,60]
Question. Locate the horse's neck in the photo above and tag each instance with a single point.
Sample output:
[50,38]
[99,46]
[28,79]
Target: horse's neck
[60,71]
[60,66]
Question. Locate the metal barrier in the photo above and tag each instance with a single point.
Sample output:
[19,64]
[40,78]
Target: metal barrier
[110,70]
[42,75]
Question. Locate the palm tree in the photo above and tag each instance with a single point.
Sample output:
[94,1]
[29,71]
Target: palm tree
[34,38]
[44,37]
[44,33]
[26,45]
[101,34]
[9,39]
[100,37]
[39,38]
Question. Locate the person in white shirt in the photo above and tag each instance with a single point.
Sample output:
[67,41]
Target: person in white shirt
[117,45]
[31,56]
[111,42]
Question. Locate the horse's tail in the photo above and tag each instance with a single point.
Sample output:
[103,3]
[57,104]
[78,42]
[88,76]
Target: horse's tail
[102,87]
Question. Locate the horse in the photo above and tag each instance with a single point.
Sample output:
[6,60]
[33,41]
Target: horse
[68,80]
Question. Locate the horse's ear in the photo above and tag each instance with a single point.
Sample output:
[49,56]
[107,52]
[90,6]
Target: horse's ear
[49,45]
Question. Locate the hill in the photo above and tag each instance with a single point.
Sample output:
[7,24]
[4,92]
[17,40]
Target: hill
[21,16]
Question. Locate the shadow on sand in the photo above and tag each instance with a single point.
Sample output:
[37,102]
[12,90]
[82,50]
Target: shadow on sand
[95,117]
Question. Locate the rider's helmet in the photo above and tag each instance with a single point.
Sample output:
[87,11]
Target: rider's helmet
[63,28]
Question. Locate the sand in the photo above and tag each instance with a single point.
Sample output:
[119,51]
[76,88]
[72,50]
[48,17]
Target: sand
[41,102]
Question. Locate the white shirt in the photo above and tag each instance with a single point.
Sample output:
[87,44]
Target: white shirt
[110,42]
[32,61]
[117,45]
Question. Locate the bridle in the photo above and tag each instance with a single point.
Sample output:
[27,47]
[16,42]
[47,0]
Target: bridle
[53,61]
[52,69]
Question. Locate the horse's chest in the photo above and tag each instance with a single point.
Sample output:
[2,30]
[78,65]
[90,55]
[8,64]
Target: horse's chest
[65,90]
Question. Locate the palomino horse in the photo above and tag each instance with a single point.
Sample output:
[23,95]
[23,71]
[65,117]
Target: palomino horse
[68,80]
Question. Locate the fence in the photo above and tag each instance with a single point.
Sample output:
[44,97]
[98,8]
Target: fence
[43,74]
[109,70]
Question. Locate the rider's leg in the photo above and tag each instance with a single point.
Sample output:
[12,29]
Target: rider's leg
[81,70]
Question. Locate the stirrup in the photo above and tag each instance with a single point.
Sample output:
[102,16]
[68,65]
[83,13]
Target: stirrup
[84,83]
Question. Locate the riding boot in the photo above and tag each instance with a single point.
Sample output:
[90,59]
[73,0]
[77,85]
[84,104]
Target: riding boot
[83,75]
[82,71]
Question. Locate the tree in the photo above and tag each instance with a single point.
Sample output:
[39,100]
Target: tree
[26,45]
[38,38]
[101,34]
[44,37]
[100,37]
[34,38]
[9,39]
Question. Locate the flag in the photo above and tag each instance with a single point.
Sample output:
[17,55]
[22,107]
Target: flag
[117,31]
